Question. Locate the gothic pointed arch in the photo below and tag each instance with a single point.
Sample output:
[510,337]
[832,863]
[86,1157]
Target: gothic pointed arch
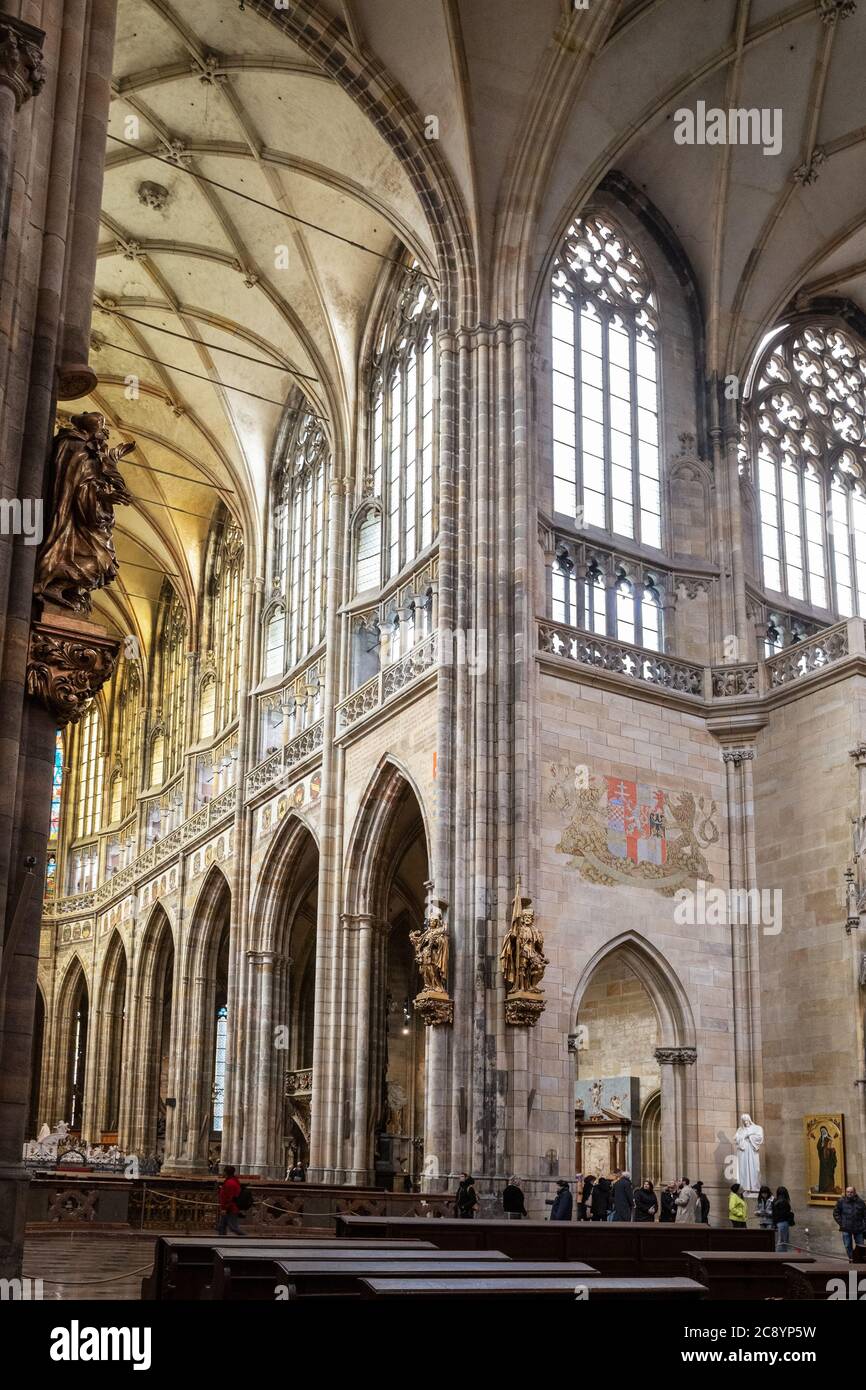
[390,786]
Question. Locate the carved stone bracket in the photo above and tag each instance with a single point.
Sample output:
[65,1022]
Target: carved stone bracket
[676,1056]
[435,1007]
[68,663]
[524,1007]
[21,67]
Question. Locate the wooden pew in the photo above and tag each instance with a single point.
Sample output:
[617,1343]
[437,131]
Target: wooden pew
[596,1290]
[236,1279]
[182,1264]
[621,1249]
[812,1280]
[741,1274]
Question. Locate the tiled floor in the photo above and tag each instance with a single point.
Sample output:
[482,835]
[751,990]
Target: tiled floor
[88,1266]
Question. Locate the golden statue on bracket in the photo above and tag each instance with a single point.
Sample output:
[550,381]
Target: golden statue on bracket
[70,657]
[432,950]
[78,555]
[523,963]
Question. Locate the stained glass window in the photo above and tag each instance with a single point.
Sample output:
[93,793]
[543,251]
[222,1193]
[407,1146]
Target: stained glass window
[56,787]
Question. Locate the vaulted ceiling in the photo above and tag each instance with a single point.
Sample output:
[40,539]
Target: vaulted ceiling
[254,204]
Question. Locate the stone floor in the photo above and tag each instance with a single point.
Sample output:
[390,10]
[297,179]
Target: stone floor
[89,1266]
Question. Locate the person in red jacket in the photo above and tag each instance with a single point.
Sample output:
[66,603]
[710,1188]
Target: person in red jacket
[229,1193]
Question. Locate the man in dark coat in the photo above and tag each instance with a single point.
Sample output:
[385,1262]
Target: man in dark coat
[601,1199]
[512,1201]
[849,1214]
[623,1198]
[586,1197]
[669,1204]
[563,1202]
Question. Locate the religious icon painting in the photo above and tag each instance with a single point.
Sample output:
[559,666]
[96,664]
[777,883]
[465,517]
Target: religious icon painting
[825,1159]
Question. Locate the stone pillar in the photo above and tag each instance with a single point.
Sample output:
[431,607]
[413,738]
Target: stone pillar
[744,945]
[679,1114]
[326,1098]
[21,76]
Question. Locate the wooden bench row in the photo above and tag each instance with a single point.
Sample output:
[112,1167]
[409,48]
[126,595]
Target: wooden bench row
[616,1249]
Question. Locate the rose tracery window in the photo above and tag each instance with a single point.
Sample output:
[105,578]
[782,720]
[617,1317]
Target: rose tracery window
[605,383]
[807,423]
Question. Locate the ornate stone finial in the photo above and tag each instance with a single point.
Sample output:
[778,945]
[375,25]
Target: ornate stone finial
[523,963]
[78,555]
[67,667]
[21,68]
[432,949]
[153,195]
[831,10]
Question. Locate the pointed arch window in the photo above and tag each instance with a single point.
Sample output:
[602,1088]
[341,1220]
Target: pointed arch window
[605,386]
[168,686]
[401,473]
[806,427]
[295,622]
[126,745]
[221,622]
[90,774]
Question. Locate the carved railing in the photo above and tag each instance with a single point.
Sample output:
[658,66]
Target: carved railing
[728,682]
[286,760]
[389,682]
[620,658]
[206,819]
[298,700]
[812,654]
[737,680]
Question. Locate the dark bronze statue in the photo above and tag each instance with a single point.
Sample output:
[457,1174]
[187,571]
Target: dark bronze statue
[78,555]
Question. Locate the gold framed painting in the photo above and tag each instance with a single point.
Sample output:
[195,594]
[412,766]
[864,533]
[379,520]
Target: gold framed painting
[825,1159]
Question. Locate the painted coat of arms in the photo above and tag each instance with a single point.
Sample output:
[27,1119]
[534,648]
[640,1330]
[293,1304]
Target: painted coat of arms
[622,831]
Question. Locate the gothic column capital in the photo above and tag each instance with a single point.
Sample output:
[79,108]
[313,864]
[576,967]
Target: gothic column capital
[21,69]
[738,755]
[676,1056]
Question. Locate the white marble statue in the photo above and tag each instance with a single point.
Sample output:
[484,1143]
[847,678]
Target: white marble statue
[748,1140]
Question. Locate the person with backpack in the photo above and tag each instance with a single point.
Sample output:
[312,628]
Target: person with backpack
[230,1191]
[466,1202]
[783,1217]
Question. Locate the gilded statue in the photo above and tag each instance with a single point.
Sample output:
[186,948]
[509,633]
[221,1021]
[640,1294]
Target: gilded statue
[431,952]
[522,957]
[78,555]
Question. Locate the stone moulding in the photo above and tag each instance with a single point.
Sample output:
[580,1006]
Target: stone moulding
[524,1007]
[67,665]
[435,1007]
